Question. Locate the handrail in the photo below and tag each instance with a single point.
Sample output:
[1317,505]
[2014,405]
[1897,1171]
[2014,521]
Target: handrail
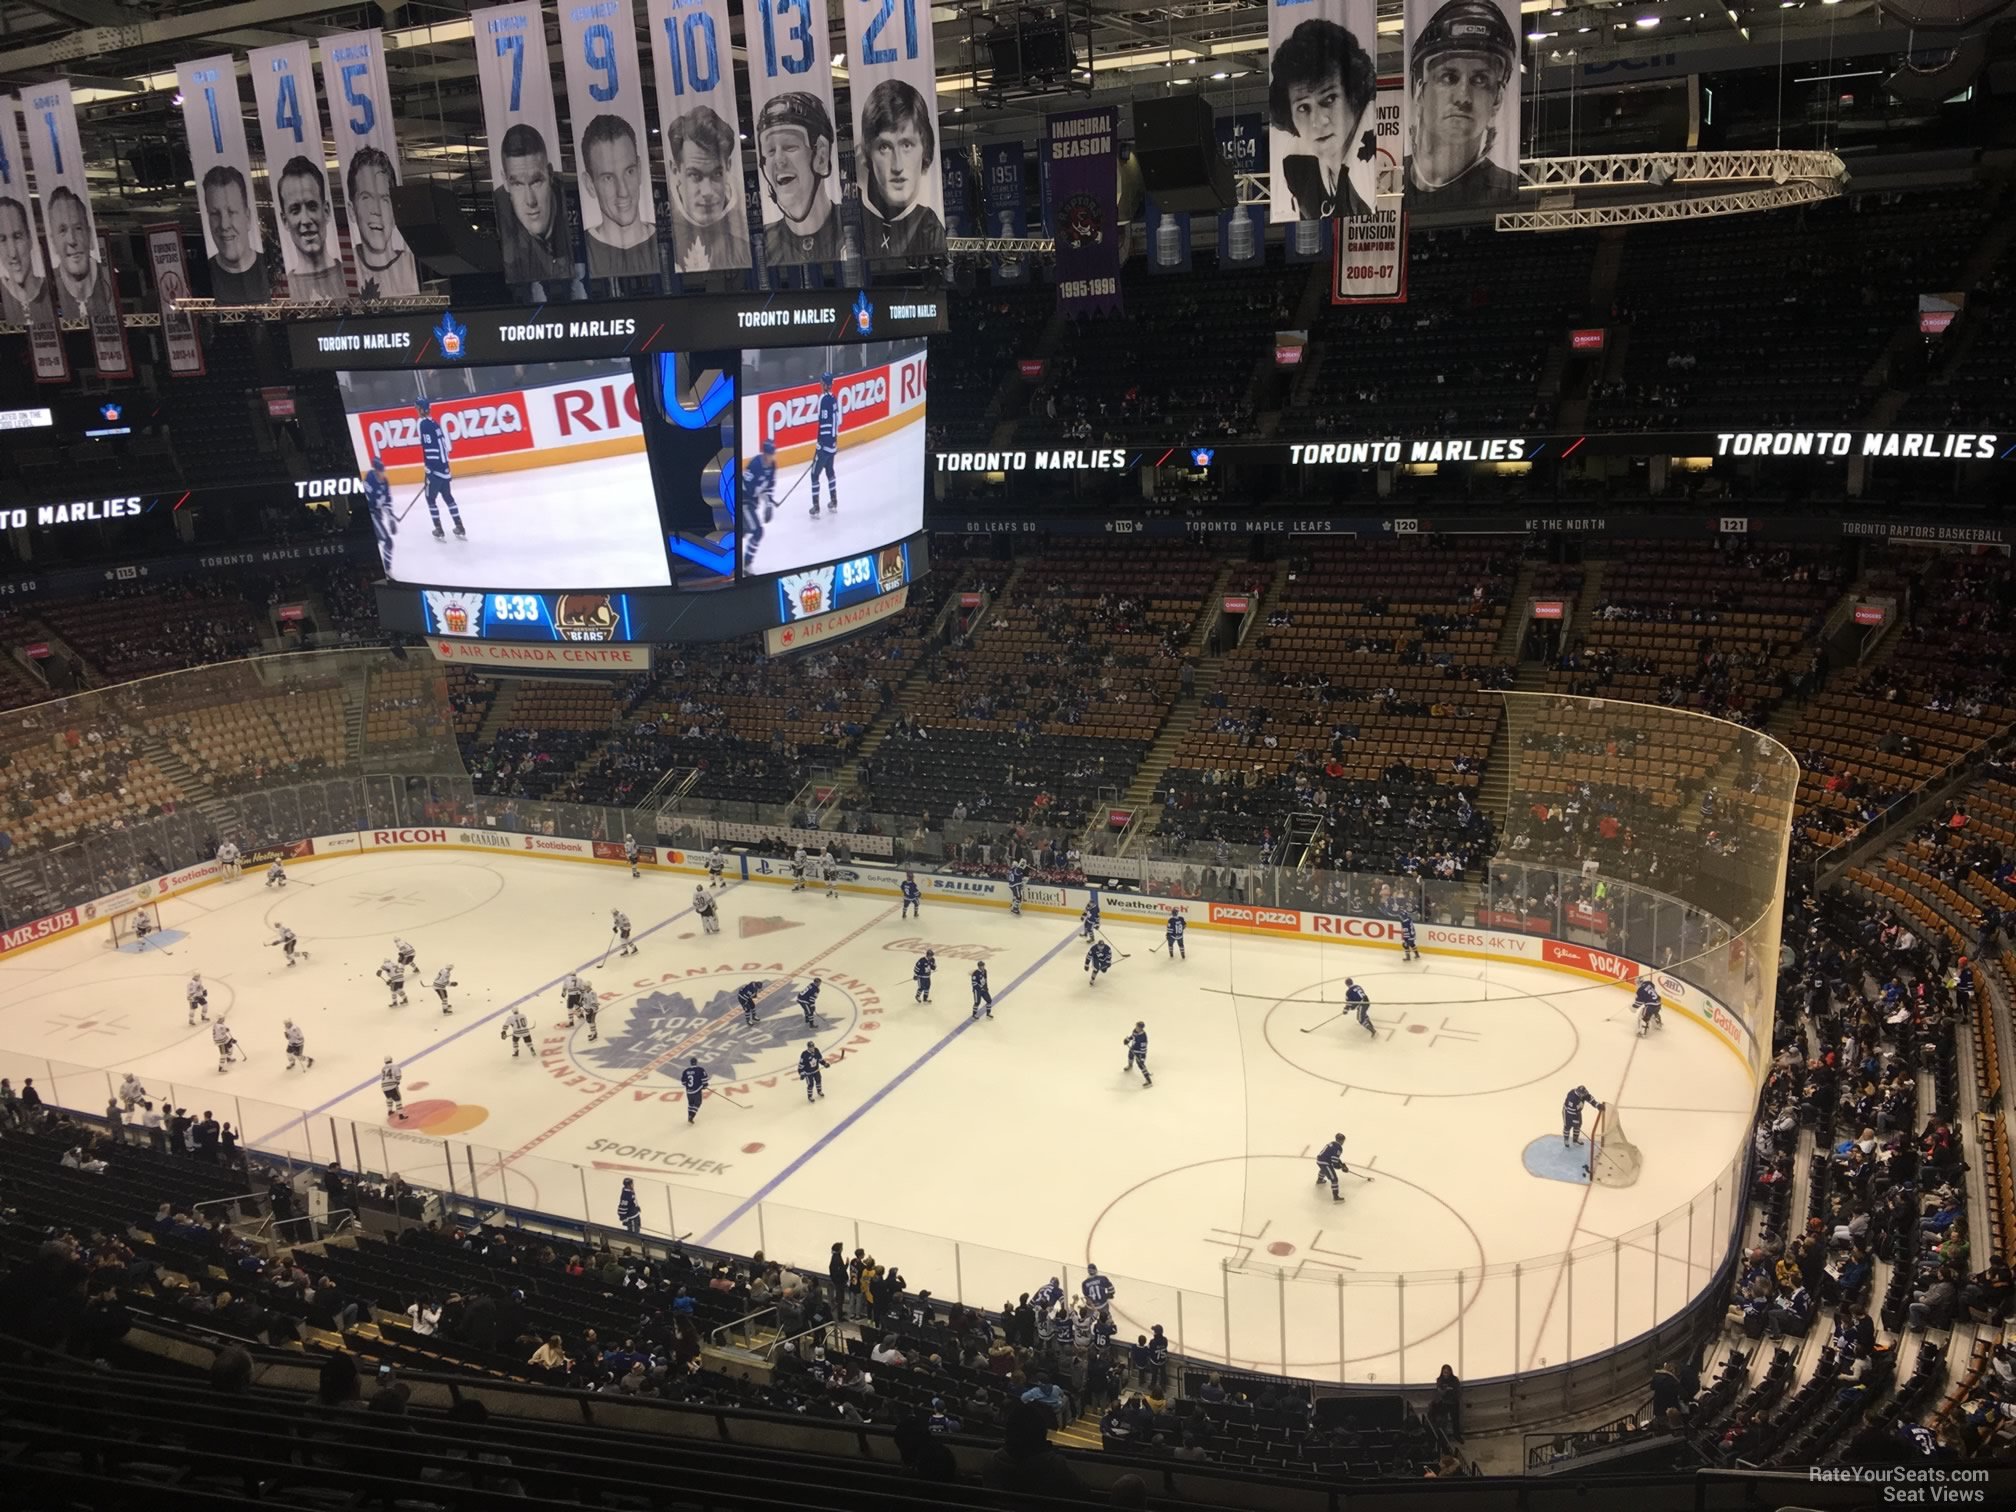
[714,1335]
[817,1328]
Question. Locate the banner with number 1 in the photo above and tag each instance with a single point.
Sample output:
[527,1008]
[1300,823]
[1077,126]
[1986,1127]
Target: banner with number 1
[297,175]
[360,113]
[221,164]
[524,135]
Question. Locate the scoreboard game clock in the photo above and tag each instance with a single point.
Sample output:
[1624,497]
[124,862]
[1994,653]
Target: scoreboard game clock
[579,617]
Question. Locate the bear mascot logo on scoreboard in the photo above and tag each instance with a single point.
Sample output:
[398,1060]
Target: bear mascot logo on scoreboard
[585,617]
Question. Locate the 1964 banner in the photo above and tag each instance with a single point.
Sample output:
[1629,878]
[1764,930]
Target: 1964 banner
[1082,152]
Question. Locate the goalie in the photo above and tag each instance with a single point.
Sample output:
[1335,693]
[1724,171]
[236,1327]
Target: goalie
[1648,1004]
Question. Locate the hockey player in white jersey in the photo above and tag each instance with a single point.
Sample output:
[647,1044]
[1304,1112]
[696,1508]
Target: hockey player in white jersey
[276,874]
[226,1043]
[131,1091]
[589,1005]
[572,992]
[704,907]
[518,1031]
[630,854]
[715,864]
[297,1047]
[393,975]
[403,954]
[829,873]
[289,943]
[798,870]
[389,1077]
[619,923]
[229,860]
[443,980]
[199,997]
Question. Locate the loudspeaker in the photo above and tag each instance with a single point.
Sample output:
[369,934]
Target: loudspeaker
[440,234]
[1176,144]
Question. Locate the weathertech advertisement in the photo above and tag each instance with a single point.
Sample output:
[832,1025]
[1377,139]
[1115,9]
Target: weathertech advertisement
[523,477]
[832,445]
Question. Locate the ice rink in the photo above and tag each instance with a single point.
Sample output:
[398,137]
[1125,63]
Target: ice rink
[588,525]
[881,500]
[979,1157]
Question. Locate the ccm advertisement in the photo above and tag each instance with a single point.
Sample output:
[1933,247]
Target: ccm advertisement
[531,476]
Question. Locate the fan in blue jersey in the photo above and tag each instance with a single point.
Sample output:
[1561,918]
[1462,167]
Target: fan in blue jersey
[1172,935]
[1137,1052]
[378,498]
[811,1065]
[1648,1005]
[1571,1114]
[759,499]
[983,998]
[694,1079]
[1408,950]
[1099,960]
[746,995]
[926,964]
[912,902]
[629,1212]
[828,444]
[1088,920]
[1016,877]
[808,1001]
[435,450]
[1330,1165]
[1357,1000]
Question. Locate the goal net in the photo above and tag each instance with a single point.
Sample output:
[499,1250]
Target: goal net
[1613,1159]
[124,929]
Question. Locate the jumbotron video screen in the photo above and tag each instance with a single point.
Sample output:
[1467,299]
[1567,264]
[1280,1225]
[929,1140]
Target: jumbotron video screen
[527,476]
[833,452]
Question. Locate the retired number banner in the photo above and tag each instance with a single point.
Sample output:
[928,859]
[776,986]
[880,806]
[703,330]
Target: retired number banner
[1082,150]
[1322,79]
[26,294]
[797,149]
[222,166]
[605,102]
[1462,113]
[892,82]
[523,132]
[700,126]
[84,286]
[179,331]
[360,112]
[297,175]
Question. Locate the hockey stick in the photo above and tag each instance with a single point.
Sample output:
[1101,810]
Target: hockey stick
[1124,955]
[1328,1021]
[1359,1174]
[400,518]
[605,954]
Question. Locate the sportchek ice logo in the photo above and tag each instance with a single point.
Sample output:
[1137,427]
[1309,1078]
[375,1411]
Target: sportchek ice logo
[1255,917]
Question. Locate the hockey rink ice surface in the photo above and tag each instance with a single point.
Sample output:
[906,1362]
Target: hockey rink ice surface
[881,500]
[1021,1138]
[586,524]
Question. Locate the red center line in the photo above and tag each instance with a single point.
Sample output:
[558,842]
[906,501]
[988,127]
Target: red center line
[686,1044]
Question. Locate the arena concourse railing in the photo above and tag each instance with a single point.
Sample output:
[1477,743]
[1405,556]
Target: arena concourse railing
[1696,904]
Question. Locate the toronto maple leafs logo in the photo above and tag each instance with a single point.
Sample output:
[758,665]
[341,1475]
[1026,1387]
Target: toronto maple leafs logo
[864,315]
[453,337]
[662,1028]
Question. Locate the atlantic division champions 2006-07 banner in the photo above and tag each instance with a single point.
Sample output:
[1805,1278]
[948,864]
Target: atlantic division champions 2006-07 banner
[297,174]
[1081,149]
[1370,251]
[892,82]
[797,150]
[1322,76]
[701,129]
[360,113]
[79,274]
[221,164]
[533,230]
[605,103]
[1462,79]
[26,295]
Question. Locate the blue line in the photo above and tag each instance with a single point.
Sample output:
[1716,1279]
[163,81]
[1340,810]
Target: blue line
[867,1107]
[472,1024]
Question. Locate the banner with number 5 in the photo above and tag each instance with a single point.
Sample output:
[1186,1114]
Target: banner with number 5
[360,112]
[702,132]
[797,150]
[222,166]
[297,173]
[524,134]
[605,104]
[892,78]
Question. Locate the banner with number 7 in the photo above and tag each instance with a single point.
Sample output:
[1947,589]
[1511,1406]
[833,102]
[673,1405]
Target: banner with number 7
[523,131]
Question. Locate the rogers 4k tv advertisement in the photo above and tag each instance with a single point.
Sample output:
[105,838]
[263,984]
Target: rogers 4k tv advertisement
[832,442]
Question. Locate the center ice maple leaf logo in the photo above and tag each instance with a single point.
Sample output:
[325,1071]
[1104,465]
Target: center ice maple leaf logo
[671,1024]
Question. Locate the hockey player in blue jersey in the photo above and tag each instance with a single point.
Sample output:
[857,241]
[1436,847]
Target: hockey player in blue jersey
[1408,950]
[1088,921]
[759,499]
[1097,1290]
[1016,877]
[983,998]
[1571,1114]
[827,446]
[921,972]
[808,1002]
[1172,935]
[378,498]
[810,1066]
[912,901]
[1357,1000]
[694,1079]
[628,1211]
[1099,960]
[746,995]
[1047,1296]
[435,450]
[1330,1165]
[1648,1005]
[1137,1052]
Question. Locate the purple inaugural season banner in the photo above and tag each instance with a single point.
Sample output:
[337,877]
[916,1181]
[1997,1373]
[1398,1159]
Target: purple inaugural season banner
[1082,151]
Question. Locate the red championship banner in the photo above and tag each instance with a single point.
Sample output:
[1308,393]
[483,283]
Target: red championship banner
[179,331]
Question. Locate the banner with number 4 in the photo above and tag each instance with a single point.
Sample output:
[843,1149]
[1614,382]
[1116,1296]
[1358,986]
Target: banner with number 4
[290,137]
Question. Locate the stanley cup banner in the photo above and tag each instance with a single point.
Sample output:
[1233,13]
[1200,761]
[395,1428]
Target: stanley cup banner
[179,331]
[1322,78]
[956,164]
[297,173]
[360,113]
[1462,84]
[1001,204]
[221,164]
[1370,251]
[1242,230]
[523,132]
[700,127]
[797,149]
[27,294]
[892,81]
[1082,148]
[605,102]
[81,279]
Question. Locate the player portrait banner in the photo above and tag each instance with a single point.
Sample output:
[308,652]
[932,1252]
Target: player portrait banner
[27,295]
[523,132]
[360,114]
[700,126]
[221,164]
[297,175]
[1322,80]
[1082,148]
[1462,116]
[1001,203]
[605,102]
[82,279]
[179,331]
[892,85]
[1242,230]
[797,150]
[957,171]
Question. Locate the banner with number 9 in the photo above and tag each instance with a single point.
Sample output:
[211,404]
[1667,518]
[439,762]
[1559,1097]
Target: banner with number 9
[221,164]
[529,192]
[797,148]
[892,79]
[701,129]
[360,113]
[605,105]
